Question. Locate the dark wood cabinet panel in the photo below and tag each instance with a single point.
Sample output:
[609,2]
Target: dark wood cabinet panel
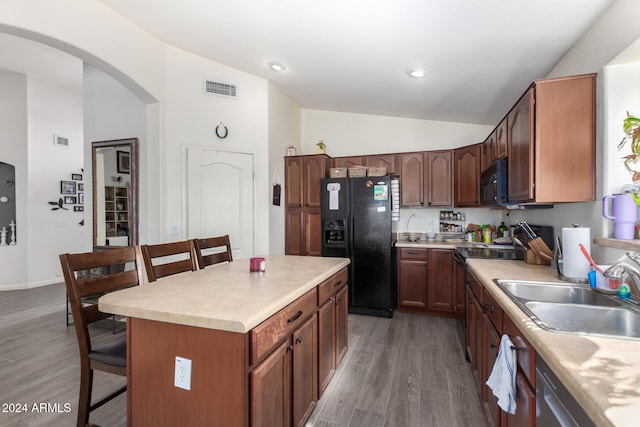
[389,161]
[501,140]
[521,154]
[549,128]
[467,176]
[440,284]
[491,344]
[271,389]
[302,195]
[314,169]
[347,162]
[326,344]
[412,284]
[312,226]
[439,178]
[304,371]
[488,151]
[412,179]
[293,182]
[342,324]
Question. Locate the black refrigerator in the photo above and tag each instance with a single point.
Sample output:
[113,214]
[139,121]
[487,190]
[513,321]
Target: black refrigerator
[356,224]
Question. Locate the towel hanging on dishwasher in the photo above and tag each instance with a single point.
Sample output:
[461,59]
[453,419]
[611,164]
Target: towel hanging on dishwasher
[502,380]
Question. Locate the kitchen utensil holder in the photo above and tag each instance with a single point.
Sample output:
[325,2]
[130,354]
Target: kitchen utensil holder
[538,252]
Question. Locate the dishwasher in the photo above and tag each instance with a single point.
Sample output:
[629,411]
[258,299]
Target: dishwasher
[555,405]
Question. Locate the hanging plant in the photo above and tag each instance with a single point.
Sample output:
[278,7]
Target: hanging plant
[631,128]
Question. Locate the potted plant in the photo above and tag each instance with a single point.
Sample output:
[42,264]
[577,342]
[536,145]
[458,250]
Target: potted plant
[631,128]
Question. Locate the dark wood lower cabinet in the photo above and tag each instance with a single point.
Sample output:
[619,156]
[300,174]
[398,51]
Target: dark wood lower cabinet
[271,389]
[486,323]
[332,336]
[305,371]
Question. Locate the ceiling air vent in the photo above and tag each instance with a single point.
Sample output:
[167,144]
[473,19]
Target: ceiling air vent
[221,89]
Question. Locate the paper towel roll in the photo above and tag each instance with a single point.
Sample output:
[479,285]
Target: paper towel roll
[575,265]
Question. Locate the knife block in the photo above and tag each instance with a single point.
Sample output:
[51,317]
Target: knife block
[538,252]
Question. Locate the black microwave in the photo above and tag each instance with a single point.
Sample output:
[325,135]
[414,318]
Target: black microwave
[493,184]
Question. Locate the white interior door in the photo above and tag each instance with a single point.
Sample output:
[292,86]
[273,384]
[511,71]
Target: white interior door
[220,197]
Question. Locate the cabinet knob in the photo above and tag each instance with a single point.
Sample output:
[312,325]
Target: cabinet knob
[298,340]
[290,348]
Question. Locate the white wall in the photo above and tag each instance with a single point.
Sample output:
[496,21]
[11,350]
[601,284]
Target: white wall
[347,134]
[284,130]
[189,119]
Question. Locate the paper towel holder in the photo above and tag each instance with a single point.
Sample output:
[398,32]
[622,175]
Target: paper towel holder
[558,261]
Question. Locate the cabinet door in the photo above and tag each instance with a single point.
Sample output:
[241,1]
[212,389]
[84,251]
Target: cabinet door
[477,351]
[412,179]
[489,150]
[271,390]
[458,295]
[439,178]
[520,141]
[501,140]
[525,415]
[315,168]
[293,244]
[347,162]
[293,181]
[440,283]
[389,161]
[312,232]
[491,341]
[305,371]
[342,324]
[467,176]
[412,284]
[326,343]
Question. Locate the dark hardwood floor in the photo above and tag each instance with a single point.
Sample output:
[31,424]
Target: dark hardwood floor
[405,371]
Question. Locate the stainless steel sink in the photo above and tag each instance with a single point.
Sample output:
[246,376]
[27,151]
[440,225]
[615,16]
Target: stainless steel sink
[587,319]
[553,292]
[573,309]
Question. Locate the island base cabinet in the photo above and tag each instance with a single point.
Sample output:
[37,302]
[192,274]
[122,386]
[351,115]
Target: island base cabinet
[218,394]
[332,336]
[284,388]
[271,390]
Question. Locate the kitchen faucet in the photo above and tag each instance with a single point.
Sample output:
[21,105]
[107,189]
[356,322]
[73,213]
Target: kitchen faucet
[622,268]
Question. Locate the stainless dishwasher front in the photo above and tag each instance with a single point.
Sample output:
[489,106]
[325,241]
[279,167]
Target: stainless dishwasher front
[555,406]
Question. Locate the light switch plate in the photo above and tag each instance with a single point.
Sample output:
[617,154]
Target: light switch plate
[182,377]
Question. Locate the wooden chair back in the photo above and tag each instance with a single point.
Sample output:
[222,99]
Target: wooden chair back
[182,252]
[87,276]
[203,245]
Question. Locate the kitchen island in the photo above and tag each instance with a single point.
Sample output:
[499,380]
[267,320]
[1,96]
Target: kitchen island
[602,374]
[250,338]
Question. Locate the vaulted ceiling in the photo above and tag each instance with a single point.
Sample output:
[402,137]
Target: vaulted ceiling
[353,55]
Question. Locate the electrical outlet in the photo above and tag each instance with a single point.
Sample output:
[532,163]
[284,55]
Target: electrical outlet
[182,377]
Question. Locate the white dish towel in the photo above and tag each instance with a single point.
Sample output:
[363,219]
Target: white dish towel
[502,380]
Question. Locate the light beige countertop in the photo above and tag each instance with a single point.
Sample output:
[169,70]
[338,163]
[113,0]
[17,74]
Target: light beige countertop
[603,374]
[224,296]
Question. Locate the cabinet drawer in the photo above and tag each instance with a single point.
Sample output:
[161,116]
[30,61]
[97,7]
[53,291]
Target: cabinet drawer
[267,334]
[412,253]
[493,310]
[331,285]
[526,354]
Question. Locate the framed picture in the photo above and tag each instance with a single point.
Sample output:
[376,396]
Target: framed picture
[80,186]
[67,187]
[70,200]
[124,162]
[78,208]
[76,176]
[81,198]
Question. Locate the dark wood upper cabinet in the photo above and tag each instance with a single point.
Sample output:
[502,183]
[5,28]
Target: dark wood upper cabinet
[315,168]
[488,151]
[347,162]
[466,167]
[389,161]
[439,178]
[412,179]
[552,141]
[501,140]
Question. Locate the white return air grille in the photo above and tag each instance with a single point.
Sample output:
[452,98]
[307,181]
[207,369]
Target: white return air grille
[220,89]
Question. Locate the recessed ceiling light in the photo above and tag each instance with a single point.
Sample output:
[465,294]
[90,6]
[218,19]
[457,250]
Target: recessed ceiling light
[276,66]
[416,72]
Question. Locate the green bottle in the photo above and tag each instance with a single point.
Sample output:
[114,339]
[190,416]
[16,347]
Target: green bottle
[502,229]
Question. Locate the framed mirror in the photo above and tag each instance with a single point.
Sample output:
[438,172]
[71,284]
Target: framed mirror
[115,192]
